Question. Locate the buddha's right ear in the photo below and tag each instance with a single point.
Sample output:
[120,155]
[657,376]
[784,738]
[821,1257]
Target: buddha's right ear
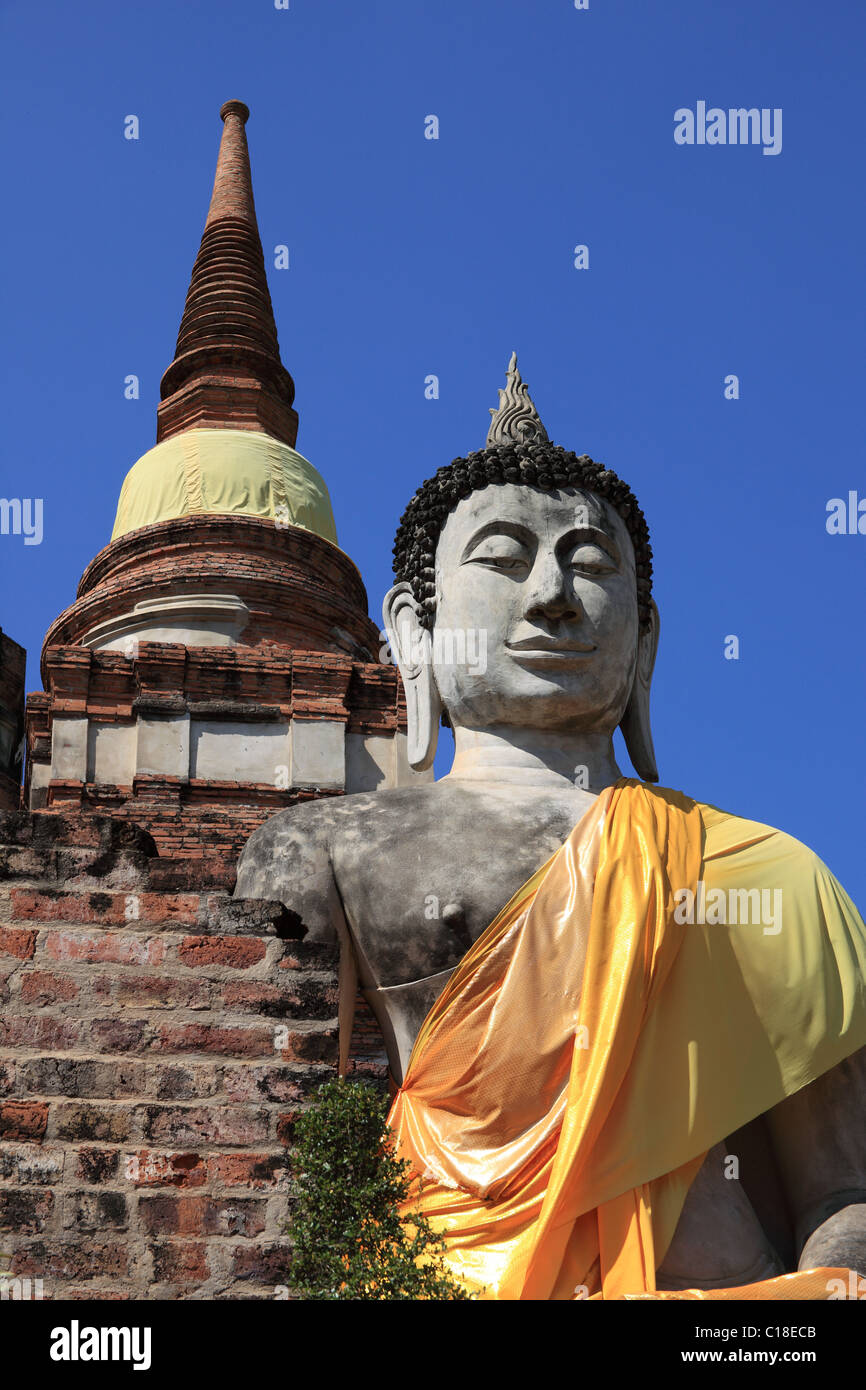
[412,648]
[635,723]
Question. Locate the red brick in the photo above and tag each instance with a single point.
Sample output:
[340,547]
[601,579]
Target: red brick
[255,995]
[150,1169]
[266,1264]
[230,1216]
[16,942]
[105,946]
[23,1120]
[172,1216]
[313,1045]
[111,909]
[25,1213]
[40,987]
[206,1037]
[117,1035]
[73,1259]
[238,952]
[95,1211]
[39,1030]
[229,1125]
[104,1123]
[153,991]
[30,904]
[96,1165]
[270,1082]
[248,1170]
[183,1262]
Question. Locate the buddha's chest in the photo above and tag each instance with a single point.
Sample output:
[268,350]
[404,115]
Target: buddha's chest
[414,907]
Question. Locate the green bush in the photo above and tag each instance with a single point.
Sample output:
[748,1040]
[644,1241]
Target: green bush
[348,1238]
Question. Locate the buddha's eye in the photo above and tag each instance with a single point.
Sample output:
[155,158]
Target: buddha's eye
[500,552]
[590,559]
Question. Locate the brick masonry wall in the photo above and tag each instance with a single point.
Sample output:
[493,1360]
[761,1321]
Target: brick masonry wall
[157,1041]
[192,816]
[189,821]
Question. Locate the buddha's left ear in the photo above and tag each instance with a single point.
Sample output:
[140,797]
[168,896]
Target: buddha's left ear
[635,723]
[412,649]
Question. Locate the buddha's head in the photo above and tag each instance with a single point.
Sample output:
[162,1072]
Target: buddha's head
[523,593]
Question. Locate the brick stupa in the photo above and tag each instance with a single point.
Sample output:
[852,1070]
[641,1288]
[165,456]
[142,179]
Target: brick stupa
[219,661]
[157,1036]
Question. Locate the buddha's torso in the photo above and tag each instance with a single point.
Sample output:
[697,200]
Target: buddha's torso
[415,905]
[417,875]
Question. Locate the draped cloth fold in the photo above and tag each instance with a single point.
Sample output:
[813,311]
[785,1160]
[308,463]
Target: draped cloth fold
[590,1047]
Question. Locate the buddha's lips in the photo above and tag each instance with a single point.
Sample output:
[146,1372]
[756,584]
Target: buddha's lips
[541,646]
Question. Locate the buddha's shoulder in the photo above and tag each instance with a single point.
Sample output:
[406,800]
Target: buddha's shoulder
[733,837]
[330,823]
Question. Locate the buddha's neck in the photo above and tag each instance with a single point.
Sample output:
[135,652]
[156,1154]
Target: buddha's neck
[534,757]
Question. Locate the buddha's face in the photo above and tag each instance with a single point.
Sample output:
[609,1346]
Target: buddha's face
[546,580]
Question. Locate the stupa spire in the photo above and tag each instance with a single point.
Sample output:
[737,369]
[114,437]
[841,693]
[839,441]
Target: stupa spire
[227,371]
[233,184]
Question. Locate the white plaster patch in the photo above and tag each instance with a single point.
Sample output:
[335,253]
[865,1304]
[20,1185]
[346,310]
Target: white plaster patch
[229,751]
[69,747]
[111,753]
[40,774]
[318,753]
[163,746]
[370,762]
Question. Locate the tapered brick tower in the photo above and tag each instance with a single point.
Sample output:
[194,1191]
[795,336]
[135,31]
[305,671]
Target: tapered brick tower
[219,661]
[227,371]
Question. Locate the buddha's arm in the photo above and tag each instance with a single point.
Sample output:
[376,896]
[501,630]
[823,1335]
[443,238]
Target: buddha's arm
[819,1135]
[289,859]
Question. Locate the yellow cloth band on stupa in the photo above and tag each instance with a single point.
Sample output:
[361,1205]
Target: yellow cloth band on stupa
[235,472]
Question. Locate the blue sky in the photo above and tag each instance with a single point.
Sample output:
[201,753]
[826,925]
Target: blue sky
[411,256]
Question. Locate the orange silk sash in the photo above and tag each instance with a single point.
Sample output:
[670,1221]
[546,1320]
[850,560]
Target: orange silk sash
[511,1110]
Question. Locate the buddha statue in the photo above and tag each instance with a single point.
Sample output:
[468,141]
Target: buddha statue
[627,1030]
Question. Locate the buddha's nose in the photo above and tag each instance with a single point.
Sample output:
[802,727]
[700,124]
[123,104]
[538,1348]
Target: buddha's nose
[551,594]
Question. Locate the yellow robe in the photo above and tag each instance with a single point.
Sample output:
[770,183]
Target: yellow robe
[590,1047]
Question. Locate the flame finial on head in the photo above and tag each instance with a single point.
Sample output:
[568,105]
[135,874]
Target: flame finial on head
[515,419]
